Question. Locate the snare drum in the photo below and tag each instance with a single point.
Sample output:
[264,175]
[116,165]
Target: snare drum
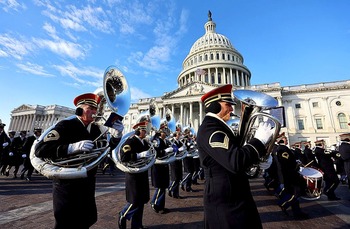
[314,182]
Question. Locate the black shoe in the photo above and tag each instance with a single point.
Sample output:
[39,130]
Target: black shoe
[29,179]
[178,197]
[7,173]
[164,211]
[154,208]
[333,198]
[284,210]
[301,216]
[22,176]
[121,221]
[189,190]
[182,188]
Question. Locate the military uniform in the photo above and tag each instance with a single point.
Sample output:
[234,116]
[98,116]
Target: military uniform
[73,199]
[228,202]
[330,176]
[175,173]
[160,178]
[344,150]
[136,184]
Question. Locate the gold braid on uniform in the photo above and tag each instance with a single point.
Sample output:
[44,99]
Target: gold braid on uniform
[219,139]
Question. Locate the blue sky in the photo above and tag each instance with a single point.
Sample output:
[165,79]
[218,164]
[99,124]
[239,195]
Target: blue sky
[52,51]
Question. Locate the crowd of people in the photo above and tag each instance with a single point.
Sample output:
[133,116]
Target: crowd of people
[216,155]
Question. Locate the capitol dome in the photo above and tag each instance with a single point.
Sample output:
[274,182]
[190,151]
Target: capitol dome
[213,59]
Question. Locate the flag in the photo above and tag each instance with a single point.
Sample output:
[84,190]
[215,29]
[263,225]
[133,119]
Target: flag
[200,71]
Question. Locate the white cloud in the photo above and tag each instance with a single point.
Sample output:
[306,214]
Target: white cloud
[137,94]
[34,69]
[10,46]
[62,47]
[12,5]
[83,76]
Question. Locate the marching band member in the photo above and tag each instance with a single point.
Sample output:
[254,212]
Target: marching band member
[4,142]
[160,174]
[74,203]
[176,170]
[136,184]
[15,152]
[27,165]
[311,160]
[186,183]
[326,164]
[299,153]
[291,183]
[228,202]
[344,150]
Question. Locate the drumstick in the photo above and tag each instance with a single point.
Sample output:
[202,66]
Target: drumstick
[308,163]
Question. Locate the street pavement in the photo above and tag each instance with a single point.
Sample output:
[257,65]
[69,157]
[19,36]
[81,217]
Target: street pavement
[28,204]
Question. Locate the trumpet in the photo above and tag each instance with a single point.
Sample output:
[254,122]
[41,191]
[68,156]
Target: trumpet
[116,94]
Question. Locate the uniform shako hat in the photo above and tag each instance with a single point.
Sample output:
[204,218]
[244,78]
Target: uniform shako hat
[88,98]
[2,125]
[344,136]
[223,93]
[37,130]
[280,137]
[319,142]
[140,126]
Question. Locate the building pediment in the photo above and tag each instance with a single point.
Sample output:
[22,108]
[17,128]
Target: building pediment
[24,107]
[191,89]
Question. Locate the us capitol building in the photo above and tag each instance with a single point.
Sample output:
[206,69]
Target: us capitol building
[312,112]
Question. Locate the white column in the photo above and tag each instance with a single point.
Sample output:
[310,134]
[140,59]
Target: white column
[224,76]
[242,79]
[181,113]
[200,112]
[191,115]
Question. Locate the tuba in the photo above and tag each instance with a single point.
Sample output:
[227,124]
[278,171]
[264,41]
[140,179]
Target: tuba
[116,93]
[142,164]
[254,109]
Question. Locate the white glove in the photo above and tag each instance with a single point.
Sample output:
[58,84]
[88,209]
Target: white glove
[10,154]
[169,150]
[155,143]
[24,155]
[118,125]
[143,154]
[5,144]
[84,145]
[264,132]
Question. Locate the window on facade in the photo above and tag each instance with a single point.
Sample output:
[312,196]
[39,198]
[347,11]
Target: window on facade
[301,124]
[217,56]
[297,105]
[206,78]
[206,57]
[219,78]
[315,104]
[200,58]
[223,56]
[319,125]
[211,56]
[338,103]
[343,124]
[212,78]
[228,57]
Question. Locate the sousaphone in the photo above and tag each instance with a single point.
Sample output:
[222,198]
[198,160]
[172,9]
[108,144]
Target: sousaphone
[116,93]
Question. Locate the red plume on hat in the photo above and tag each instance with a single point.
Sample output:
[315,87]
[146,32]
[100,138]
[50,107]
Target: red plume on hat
[88,98]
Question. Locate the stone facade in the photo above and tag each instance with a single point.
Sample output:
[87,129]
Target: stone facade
[27,117]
